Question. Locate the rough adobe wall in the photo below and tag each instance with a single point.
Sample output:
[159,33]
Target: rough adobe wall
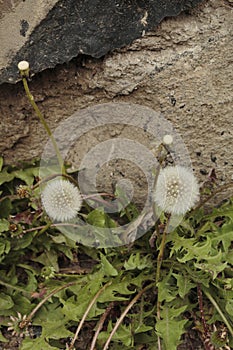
[182,69]
[51,32]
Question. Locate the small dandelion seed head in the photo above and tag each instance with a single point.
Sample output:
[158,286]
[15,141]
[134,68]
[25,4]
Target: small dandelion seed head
[23,65]
[61,200]
[177,190]
[167,139]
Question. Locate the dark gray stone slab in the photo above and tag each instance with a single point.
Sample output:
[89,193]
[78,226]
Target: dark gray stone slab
[90,27]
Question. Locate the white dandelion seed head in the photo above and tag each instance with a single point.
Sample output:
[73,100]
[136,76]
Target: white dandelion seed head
[61,200]
[167,139]
[176,190]
[23,65]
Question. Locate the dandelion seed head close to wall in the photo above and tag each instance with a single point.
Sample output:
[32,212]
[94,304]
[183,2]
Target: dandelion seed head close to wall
[167,139]
[177,190]
[61,200]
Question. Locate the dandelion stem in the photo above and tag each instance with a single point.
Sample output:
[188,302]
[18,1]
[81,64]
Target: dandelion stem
[161,251]
[100,324]
[43,122]
[70,347]
[25,322]
[217,307]
[157,171]
[53,176]
[133,301]
[159,264]
[44,229]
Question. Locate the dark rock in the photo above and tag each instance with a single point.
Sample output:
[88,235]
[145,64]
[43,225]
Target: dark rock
[90,27]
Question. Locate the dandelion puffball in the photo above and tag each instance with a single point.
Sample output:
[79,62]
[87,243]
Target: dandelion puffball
[61,200]
[167,139]
[176,190]
[23,65]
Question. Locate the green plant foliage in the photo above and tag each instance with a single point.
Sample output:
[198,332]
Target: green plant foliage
[36,344]
[2,338]
[136,261]
[108,269]
[47,276]
[170,327]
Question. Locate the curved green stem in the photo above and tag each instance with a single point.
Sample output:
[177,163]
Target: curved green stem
[120,319]
[71,346]
[215,304]
[161,251]
[44,123]
[100,325]
[159,264]
[25,322]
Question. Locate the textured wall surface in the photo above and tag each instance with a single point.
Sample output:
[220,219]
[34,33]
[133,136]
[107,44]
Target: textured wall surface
[182,69]
[18,20]
[50,32]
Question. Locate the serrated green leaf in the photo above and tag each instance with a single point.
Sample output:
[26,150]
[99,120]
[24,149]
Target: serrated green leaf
[213,264]
[56,328]
[22,304]
[148,340]
[122,335]
[184,284]
[191,248]
[4,225]
[225,237]
[75,306]
[229,307]
[224,211]
[23,242]
[31,282]
[178,242]
[108,269]
[74,309]
[65,250]
[206,229]
[2,338]
[5,208]
[5,176]
[5,246]
[229,257]
[60,239]
[48,258]
[29,268]
[170,328]
[136,261]
[97,218]
[115,291]
[26,175]
[100,219]
[6,302]
[142,329]
[36,344]
[166,292]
